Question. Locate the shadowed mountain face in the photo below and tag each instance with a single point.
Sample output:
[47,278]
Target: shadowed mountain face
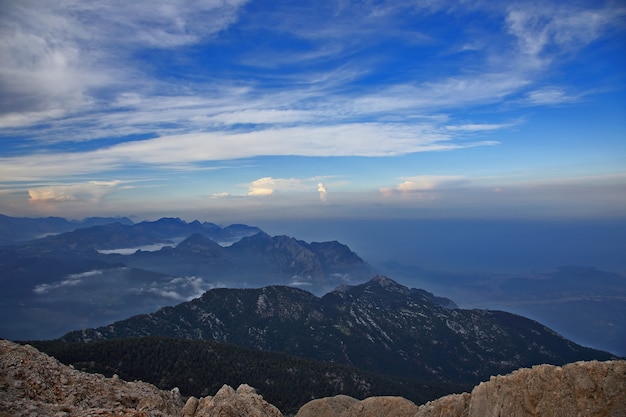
[379,326]
[92,276]
[256,261]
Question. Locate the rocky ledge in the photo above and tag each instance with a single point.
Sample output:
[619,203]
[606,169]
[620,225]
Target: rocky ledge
[34,384]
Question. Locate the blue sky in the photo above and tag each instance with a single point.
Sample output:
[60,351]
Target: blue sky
[232,111]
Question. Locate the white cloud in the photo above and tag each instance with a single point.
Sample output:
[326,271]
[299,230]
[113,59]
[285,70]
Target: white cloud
[69,281]
[261,116]
[477,127]
[129,251]
[182,151]
[226,195]
[545,31]
[262,186]
[58,54]
[268,185]
[91,191]
[323,192]
[431,182]
[549,96]
[179,288]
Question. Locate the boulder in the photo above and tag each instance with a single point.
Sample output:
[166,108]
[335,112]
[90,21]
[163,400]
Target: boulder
[327,407]
[382,407]
[244,402]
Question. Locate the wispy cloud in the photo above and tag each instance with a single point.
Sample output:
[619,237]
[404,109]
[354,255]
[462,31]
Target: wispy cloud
[179,288]
[546,31]
[71,280]
[478,127]
[364,139]
[73,63]
[550,95]
[59,56]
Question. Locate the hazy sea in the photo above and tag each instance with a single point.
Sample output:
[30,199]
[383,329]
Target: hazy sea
[472,245]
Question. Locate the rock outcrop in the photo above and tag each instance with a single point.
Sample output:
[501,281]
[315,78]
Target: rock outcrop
[34,384]
[344,406]
[245,402]
[581,389]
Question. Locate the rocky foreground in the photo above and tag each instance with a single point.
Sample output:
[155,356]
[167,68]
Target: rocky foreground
[34,384]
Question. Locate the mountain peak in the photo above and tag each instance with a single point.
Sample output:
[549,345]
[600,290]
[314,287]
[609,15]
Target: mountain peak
[199,243]
[386,283]
[197,238]
[170,220]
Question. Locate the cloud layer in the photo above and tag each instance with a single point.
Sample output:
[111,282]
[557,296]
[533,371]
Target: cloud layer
[96,97]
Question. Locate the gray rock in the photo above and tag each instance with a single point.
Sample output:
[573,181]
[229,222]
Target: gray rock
[327,407]
[244,402]
[381,407]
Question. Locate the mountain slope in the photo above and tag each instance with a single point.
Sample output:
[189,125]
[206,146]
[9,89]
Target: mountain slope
[379,326]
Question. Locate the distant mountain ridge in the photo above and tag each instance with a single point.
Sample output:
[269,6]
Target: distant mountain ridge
[95,275]
[18,229]
[380,326]
[111,236]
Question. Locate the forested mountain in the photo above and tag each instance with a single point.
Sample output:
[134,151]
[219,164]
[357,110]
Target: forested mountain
[379,326]
[200,368]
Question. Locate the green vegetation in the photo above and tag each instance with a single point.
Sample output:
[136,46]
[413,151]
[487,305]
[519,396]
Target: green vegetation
[200,368]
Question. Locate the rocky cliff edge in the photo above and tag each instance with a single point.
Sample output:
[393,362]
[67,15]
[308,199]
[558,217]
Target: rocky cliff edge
[34,384]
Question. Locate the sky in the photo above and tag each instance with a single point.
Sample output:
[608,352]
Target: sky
[243,111]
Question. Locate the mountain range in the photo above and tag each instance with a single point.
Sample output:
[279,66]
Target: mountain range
[379,326]
[93,275]
[88,273]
